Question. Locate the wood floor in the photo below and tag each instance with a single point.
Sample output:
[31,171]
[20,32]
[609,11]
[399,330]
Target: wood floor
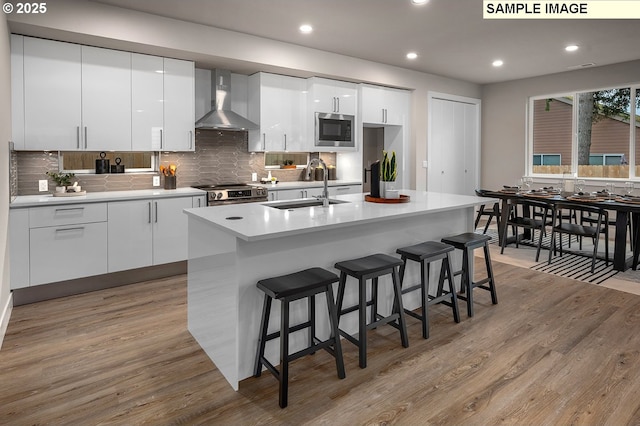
[553,351]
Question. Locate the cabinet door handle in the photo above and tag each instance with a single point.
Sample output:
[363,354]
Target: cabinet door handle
[85,137]
[149,212]
[77,228]
[69,209]
[338,104]
[343,188]
[156,206]
[285,141]
[161,139]
[78,136]
[264,141]
[190,139]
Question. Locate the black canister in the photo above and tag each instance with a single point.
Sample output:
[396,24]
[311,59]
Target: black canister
[102,164]
[117,168]
[375,179]
[332,173]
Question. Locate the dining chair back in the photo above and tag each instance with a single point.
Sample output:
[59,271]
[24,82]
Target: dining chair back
[521,215]
[600,218]
[486,210]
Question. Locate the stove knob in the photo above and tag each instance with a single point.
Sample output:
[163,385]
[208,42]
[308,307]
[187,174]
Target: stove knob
[212,195]
[219,195]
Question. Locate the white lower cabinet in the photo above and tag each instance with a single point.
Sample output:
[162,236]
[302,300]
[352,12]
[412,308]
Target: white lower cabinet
[147,232]
[292,194]
[345,189]
[66,252]
[130,234]
[58,243]
[67,242]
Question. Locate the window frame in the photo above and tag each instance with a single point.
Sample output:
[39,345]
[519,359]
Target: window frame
[633,143]
[155,162]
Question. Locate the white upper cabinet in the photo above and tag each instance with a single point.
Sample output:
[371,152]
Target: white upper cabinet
[106,99]
[179,106]
[17,91]
[147,96]
[52,95]
[278,104]
[382,105]
[69,97]
[332,96]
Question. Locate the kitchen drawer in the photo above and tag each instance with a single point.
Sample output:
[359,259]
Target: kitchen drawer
[67,214]
[61,253]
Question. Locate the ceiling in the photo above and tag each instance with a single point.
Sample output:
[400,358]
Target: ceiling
[450,36]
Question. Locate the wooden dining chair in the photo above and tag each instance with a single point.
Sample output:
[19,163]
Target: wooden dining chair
[600,217]
[518,219]
[485,210]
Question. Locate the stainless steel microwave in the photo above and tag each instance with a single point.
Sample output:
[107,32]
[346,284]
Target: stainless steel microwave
[334,130]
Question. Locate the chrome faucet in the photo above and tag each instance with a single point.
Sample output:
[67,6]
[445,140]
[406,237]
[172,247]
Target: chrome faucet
[314,162]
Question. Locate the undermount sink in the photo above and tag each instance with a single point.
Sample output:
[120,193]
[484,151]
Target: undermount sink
[298,204]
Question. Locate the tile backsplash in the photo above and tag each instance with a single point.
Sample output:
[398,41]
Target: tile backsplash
[219,157]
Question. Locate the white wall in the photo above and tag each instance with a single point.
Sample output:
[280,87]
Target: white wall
[107,26]
[5,136]
[504,119]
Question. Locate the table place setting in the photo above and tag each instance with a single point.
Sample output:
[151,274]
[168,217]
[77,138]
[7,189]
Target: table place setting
[510,189]
[583,196]
[631,199]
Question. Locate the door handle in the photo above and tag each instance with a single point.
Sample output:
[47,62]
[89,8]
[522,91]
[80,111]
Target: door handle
[149,212]
[156,206]
[85,137]
[78,136]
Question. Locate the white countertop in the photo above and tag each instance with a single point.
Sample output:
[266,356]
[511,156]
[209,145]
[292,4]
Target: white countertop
[23,201]
[260,222]
[301,184]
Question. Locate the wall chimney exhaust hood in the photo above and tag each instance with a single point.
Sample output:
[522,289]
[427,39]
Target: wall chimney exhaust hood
[221,117]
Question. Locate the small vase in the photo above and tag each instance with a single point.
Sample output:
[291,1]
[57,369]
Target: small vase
[61,189]
[385,186]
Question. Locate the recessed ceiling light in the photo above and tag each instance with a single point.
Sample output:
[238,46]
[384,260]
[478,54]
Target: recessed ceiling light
[497,63]
[412,55]
[306,28]
[571,48]
[419,1]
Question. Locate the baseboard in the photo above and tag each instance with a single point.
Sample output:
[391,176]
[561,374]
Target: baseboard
[39,293]
[4,319]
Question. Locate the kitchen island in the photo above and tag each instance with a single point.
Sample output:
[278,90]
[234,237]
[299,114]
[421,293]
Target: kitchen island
[232,247]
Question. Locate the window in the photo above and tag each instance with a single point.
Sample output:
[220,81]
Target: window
[588,132]
[547,159]
[85,162]
[606,159]
[279,159]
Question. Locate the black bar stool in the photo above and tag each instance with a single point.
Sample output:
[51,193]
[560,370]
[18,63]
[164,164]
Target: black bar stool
[425,253]
[370,268]
[468,242]
[288,288]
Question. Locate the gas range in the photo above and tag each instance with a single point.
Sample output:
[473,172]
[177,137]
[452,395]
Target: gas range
[233,193]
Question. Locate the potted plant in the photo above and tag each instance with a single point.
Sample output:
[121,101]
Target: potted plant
[388,172]
[288,164]
[62,180]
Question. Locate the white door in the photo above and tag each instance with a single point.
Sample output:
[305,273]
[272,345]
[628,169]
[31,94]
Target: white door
[453,145]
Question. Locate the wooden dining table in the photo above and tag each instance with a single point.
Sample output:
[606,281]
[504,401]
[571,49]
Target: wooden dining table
[625,211]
